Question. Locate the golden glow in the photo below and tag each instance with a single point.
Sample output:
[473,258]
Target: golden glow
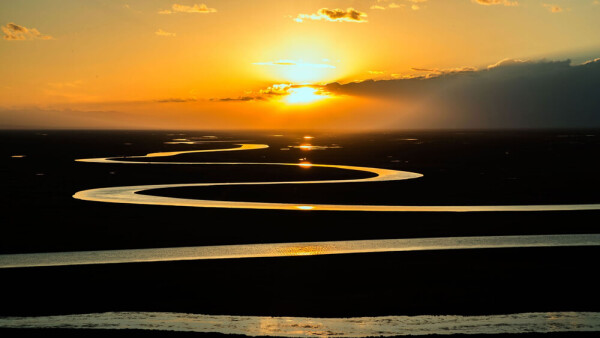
[306,147]
[306,250]
[298,71]
[305,164]
[308,137]
[303,95]
[305,207]
[301,74]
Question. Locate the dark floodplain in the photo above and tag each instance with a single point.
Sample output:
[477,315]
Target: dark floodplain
[40,176]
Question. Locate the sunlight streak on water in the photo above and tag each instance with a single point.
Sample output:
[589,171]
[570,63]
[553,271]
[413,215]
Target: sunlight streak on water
[293,249]
[311,327]
[243,146]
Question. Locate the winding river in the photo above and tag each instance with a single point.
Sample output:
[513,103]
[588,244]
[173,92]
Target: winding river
[131,194]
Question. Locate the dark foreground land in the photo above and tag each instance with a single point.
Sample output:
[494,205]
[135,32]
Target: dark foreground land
[39,215]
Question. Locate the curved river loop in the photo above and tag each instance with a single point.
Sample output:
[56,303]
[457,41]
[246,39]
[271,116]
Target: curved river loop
[131,194]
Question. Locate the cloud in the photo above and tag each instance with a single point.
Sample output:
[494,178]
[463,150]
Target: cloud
[176,8]
[274,91]
[391,5]
[497,2]
[176,100]
[553,8]
[293,63]
[262,94]
[239,99]
[506,62]
[336,15]
[15,32]
[161,32]
[591,61]
[431,72]
[508,94]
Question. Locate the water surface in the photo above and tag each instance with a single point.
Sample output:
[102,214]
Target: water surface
[293,249]
[311,327]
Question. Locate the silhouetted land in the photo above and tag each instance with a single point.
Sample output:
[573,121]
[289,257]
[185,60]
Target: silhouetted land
[510,167]
[437,282]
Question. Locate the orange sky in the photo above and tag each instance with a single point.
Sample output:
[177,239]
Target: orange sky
[259,64]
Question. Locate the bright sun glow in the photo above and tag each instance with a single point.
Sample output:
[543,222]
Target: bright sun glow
[303,95]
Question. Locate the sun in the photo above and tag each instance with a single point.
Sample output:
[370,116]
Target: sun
[303,95]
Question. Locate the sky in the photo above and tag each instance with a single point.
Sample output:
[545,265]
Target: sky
[285,64]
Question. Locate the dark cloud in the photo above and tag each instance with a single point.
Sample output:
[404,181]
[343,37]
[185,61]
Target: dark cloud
[261,95]
[239,99]
[339,15]
[271,92]
[175,100]
[16,28]
[13,31]
[509,94]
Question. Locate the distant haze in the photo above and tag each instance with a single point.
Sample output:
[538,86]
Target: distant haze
[511,94]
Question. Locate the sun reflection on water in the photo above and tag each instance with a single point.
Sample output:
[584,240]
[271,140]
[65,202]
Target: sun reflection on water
[313,147]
